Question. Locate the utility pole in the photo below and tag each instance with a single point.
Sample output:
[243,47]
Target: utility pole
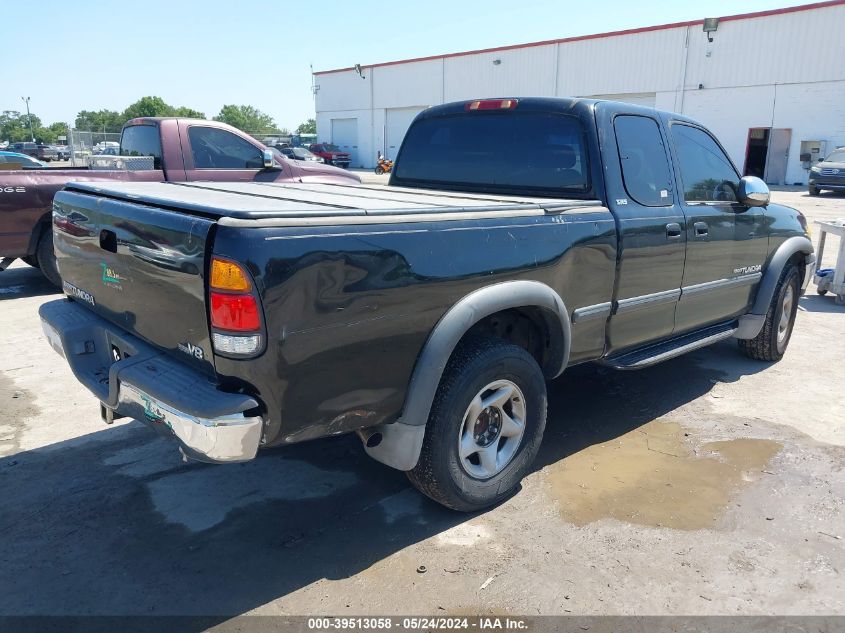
[29,117]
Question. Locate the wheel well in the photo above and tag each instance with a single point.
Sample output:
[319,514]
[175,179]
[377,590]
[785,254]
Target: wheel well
[527,327]
[38,230]
[799,259]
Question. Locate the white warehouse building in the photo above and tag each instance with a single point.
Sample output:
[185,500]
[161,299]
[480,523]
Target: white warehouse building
[770,85]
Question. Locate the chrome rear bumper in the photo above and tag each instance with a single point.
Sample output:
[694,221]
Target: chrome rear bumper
[170,397]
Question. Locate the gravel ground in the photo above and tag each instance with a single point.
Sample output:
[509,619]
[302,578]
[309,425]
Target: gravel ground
[710,484]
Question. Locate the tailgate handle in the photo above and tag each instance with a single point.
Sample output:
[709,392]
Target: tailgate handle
[108,241]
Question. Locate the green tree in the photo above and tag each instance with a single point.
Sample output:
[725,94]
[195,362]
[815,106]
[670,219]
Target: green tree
[148,106]
[309,127]
[107,120]
[14,126]
[246,118]
[189,113]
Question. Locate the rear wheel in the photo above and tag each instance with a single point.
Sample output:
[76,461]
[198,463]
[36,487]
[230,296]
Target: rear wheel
[770,344]
[47,258]
[485,426]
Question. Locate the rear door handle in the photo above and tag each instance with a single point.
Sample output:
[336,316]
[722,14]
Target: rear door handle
[701,229]
[673,230]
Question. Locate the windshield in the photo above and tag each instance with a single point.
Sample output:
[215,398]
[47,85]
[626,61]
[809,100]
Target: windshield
[541,151]
[328,147]
[836,157]
[301,152]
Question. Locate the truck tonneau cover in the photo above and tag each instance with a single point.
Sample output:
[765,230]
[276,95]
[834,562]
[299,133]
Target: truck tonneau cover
[267,200]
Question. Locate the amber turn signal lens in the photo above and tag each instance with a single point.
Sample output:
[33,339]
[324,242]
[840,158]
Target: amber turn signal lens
[226,275]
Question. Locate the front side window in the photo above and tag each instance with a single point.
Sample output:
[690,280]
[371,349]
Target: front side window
[141,140]
[497,151]
[706,172]
[213,148]
[642,156]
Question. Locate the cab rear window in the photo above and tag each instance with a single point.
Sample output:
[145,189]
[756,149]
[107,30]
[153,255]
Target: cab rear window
[141,140]
[496,151]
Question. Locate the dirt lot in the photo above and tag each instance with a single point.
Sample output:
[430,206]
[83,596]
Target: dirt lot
[709,484]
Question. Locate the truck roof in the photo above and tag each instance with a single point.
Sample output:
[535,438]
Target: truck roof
[253,201]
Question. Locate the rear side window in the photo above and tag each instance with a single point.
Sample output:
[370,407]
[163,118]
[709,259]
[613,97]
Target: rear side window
[213,148]
[142,140]
[706,172]
[642,155]
[504,151]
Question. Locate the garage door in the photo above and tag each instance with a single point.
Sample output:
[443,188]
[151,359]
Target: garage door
[345,136]
[397,121]
[637,98]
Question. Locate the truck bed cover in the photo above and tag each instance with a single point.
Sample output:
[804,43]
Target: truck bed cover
[265,201]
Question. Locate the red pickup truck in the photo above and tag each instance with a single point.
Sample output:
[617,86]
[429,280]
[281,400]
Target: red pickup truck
[331,154]
[182,150]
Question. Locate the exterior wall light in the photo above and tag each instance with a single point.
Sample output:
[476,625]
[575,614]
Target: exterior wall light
[711,25]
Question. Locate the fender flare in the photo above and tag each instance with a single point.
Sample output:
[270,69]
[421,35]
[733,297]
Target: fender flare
[751,323]
[44,223]
[400,442]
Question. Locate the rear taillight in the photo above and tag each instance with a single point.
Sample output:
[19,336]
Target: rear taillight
[234,310]
[491,104]
[236,313]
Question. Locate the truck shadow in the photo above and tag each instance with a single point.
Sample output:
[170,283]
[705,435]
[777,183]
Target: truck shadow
[114,523]
[21,281]
[590,404]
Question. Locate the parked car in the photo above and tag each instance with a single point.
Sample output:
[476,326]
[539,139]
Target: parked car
[300,153]
[331,154]
[25,161]
[4,144]
[36,150]
[62,152]
[101,147]
[518,237]
[183,150]
[828,173]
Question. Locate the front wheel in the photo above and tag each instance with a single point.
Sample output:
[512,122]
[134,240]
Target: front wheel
[379,170]
[813,191]
[485,426]
[770,344]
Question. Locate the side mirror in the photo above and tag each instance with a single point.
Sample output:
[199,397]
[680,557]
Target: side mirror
[269,160]
[753,192]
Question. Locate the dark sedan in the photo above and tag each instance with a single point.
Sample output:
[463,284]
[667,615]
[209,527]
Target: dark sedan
[300,153]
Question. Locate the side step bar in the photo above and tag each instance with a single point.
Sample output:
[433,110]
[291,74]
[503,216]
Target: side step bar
[653,354]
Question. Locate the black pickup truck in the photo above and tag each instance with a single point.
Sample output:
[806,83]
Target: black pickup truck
[517,237]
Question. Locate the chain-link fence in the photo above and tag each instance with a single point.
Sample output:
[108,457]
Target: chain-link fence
[84,144]
[283,137]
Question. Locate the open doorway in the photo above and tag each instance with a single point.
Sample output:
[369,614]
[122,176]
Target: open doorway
[767,153]
[755,155]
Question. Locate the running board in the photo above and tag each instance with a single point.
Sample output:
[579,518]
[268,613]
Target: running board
[653,354]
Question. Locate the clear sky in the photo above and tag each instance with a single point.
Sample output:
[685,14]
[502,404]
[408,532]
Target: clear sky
[88,55]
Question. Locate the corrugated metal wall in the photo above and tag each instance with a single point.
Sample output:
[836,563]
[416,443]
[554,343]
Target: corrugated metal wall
[728,84]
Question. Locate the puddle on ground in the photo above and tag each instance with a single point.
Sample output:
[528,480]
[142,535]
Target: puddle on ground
[653,476]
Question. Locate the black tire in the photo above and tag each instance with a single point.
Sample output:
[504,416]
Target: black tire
[770,344]
[47,259]
[821,292]
[813,191]
[440,473]
[379,170]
